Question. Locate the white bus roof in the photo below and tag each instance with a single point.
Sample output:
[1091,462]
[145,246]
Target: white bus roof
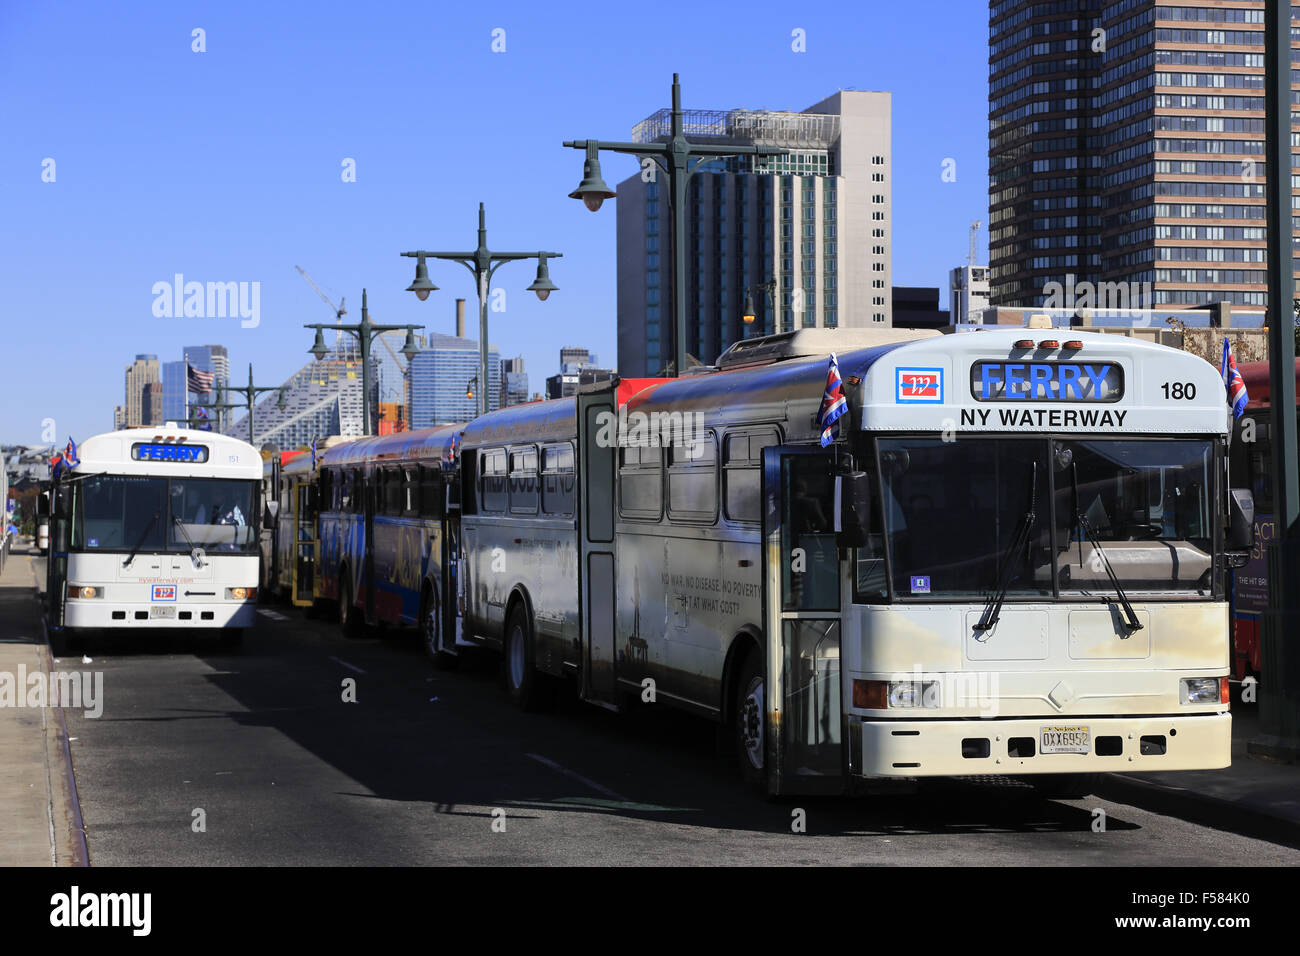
[111,453]
[1087,382]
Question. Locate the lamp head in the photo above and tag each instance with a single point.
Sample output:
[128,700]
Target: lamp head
[593,189]
[542,285]
[318,347]
[421,286]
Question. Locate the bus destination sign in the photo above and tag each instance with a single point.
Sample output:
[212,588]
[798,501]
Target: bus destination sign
[1080,382]
[162,451]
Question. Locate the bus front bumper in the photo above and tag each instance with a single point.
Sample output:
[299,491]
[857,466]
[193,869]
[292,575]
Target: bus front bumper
[112,614]
[928,748]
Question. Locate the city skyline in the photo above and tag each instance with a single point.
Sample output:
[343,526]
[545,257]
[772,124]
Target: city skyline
[267,136]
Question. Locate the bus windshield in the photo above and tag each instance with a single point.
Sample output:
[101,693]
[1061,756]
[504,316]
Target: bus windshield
[955,516]
[151,514]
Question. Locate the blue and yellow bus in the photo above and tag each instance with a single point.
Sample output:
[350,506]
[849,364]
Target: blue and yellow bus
[389,511]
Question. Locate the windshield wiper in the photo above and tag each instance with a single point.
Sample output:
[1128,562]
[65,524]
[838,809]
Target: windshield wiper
[994,608]
[140,542]
[195,550]
[1130,616]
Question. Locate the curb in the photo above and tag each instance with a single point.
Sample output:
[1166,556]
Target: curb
[71,813]
[1201,809]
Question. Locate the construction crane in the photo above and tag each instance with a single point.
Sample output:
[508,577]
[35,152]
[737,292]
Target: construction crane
[338,310]
[974,232]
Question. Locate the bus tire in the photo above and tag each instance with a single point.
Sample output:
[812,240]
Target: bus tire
[1066,786]
[431,632]
[351,619]
[748,726]
[527,687]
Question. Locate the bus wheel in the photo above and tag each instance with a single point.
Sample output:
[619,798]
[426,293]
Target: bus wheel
[528,688]
[749,725]
[1066,786]
[351,620]
[431,633]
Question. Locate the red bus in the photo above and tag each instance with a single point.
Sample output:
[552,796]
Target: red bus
[1251,463]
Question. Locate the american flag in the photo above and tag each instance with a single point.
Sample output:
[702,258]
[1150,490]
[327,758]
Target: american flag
[199,381]
[833,402]
[1232,381]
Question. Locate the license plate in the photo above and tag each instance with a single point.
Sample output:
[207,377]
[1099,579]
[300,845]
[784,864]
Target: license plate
[157,611]
[1064,740]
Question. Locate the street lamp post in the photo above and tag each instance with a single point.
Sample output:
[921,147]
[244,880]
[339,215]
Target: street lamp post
[767,286]
[678,158]
[250,392]
[483,263]
[364,332]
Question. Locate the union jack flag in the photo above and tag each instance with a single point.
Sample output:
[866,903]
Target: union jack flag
[833,402]
[1232,381]
[70,454]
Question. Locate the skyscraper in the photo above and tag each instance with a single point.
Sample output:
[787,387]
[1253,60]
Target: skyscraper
[442,375]
[175,391]
[214,359]
[816,222]
[1126,145]
[514,382]
[143,371]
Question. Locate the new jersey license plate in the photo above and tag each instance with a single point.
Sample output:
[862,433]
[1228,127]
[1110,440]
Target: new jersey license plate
[1064,740]
[163,611]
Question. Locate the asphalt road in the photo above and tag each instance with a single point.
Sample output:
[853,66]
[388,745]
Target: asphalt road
[259,746]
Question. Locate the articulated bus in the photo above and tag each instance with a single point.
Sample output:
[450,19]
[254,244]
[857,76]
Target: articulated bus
[1009,557]
[1252,460]
[155,528]
[387,527]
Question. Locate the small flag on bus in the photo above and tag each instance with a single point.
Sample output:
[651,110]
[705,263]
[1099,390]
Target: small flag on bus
[70,454]
[1232,381]
[833,402]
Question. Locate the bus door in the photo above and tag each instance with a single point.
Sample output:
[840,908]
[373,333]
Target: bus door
[451,597]
[595,510]
[59,506]
[306,549]
[801,622]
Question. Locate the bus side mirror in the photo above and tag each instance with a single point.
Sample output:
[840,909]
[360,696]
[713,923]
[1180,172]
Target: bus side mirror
[1241,526]
[852,509]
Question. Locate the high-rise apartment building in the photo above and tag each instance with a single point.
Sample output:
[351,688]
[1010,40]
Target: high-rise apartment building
[815,222]
[143,371]
[968,292]
[1126,145]
[444,382]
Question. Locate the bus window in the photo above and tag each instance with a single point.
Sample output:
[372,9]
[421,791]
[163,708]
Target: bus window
[392,488]
[640,483]
[119,513]
[523,481]
[493,477]
[326,491]
[557,479]
[693,480]
[430,492]
[742,472]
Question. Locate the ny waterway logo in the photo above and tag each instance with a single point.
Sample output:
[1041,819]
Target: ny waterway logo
[208,300]
[71,690]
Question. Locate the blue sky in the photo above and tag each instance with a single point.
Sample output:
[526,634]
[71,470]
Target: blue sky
[226,165]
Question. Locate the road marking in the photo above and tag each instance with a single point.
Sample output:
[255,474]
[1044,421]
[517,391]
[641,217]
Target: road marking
[351,667]
[599,788]
[273,615]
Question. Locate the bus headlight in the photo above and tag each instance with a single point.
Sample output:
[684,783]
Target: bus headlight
[241,594]
[84,592]
[913,693]
[1201,690]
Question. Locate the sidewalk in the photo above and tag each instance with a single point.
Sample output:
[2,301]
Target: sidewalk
[40,823]
[1259,793]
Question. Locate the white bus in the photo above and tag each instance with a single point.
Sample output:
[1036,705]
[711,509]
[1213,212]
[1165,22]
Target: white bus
[1009,560]
[155,528]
